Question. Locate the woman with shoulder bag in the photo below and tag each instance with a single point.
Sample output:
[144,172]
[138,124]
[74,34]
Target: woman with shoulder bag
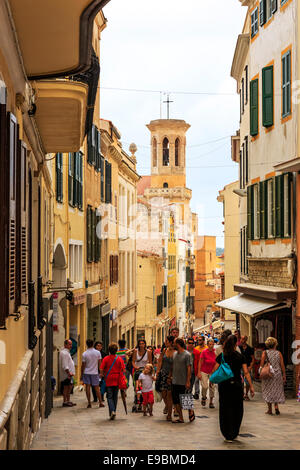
[231,394]
[272,376]
[163,378]
[112,367]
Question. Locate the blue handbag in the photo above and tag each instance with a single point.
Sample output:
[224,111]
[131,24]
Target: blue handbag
[223,373]
[103,383]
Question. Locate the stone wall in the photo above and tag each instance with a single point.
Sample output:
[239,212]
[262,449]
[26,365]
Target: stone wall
[276,272]
[23,407]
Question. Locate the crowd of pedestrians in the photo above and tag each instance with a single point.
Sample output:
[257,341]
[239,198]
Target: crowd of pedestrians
[175,373]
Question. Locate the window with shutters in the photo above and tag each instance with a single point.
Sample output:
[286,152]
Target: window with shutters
[286,84]
[268,96]
[12,221]
[21,234]
[75,264]
[254,107]
[59,176]
[254,22]
[287,205]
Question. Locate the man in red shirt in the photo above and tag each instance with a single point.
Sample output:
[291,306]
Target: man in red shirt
[196,358]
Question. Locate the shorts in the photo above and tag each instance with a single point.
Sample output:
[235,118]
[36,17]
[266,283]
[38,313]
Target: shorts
[91,379]
[68,381]
[176,391]
[148,398]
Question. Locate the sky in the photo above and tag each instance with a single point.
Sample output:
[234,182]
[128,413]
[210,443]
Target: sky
[171,46]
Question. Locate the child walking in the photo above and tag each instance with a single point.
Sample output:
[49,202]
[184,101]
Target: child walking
[145,381]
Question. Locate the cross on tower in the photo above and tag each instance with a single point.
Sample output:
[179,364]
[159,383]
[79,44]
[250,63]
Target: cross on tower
[168,105]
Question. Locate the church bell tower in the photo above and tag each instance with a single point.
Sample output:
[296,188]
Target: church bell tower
[168,153]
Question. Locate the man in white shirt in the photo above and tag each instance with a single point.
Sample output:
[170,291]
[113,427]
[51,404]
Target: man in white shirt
[91,362]
[66,372]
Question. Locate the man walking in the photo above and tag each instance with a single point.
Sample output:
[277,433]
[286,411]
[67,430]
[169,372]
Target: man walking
[248,353]
[91,362]
[181,377]
[66,372]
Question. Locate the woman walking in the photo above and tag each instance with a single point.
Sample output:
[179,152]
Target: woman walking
[231,402]
[273,387]
[111,368]
[206,365]
[163,378]
[141,357]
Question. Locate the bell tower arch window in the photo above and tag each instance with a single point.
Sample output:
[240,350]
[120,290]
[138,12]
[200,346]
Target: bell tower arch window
[154,150]
[165,185]
[166,152]
[177,143]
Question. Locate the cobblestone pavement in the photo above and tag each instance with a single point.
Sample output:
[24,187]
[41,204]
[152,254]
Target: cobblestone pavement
[89,429]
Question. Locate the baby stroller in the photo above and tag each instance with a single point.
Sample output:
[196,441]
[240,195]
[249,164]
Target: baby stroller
[138,397]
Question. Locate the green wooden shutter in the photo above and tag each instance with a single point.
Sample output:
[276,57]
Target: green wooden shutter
[102,178]
[75,180]
[274,6]
[262,12]
[254,107]
[279,199]
[286,84]
[267,96]
[70,178]
[262,207]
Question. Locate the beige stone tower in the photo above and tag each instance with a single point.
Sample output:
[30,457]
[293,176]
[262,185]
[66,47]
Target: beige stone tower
[168,147]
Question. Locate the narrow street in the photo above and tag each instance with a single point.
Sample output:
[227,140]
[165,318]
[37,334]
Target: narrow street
[89,429]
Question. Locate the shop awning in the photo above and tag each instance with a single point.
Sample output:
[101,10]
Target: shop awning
[247,304]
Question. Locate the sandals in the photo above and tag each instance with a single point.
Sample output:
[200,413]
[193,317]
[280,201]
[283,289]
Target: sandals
[277,411]
[101,405]
[246,398]
[211,405]
[203,401]
[192,417]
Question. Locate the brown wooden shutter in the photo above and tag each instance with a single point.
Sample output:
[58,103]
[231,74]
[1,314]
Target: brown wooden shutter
[21,240]
[12,228]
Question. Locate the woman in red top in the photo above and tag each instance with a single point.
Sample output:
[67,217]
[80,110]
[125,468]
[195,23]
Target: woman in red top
[111,368]
[206,365]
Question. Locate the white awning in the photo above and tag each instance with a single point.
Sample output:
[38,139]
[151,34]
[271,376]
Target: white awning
[247,304]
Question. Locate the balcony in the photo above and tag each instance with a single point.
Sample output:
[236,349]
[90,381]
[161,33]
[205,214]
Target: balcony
[55,36]
[170,193]
[61,107]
